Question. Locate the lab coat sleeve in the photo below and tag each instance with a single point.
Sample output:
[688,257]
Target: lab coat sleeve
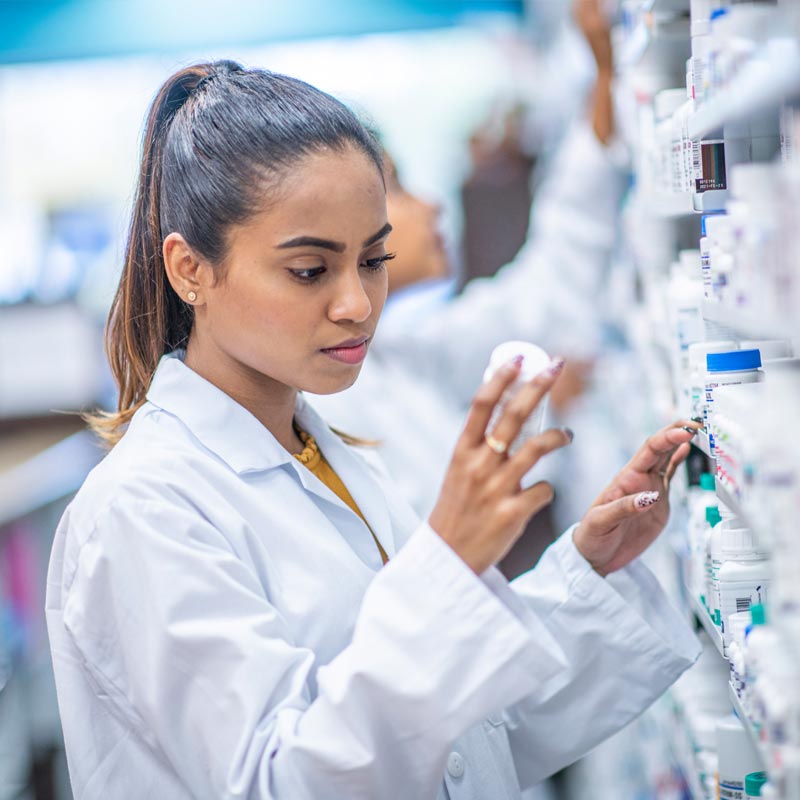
[549,293]
[177,633]
[625,645]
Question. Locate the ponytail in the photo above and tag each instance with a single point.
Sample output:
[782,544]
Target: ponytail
[215,134]
[147,318]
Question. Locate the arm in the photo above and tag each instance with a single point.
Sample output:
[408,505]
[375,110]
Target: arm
[178,633]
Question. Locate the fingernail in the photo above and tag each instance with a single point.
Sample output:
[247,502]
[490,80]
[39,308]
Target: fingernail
[517,360]
[697,419]
[686,428]
[646,499]
[556,365]
[570,434]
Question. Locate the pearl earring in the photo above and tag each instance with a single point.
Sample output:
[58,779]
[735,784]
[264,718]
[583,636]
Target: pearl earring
[192,296]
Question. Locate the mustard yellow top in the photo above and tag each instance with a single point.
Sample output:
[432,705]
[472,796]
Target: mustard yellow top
[312,458]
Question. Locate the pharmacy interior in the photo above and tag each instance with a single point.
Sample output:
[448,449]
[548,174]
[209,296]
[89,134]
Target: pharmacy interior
[701,303]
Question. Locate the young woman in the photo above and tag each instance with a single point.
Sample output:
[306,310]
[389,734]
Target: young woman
[221,619]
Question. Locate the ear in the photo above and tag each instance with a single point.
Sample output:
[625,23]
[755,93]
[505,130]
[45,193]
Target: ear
[186,273]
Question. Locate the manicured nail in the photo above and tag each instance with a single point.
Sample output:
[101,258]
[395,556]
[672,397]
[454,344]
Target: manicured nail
[570,434]
[517,360]
[556,365]
[697,419]
[686,428]
[646,499]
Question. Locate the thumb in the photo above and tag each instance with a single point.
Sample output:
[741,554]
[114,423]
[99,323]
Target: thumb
[607,516]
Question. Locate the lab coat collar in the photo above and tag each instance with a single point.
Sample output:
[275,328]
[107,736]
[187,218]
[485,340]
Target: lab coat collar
[231,432]
[220,424]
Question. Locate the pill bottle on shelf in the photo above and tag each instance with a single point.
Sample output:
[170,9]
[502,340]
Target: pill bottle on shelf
[743,577]
[737,758]
[737,624]
[697,353]
[728,369]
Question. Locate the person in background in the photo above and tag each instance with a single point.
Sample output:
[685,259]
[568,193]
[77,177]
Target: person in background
[238,604]
[413,391]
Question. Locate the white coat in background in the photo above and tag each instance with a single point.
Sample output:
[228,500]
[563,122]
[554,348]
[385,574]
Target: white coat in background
[417,381]
[221,628]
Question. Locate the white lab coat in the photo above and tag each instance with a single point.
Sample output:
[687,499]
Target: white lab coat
[418,381]
[221,627]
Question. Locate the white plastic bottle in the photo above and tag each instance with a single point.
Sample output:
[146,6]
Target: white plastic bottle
[728,369]
[761,641]
[737,758]
[697,353]
[713,519]
[737,624]
[535,360]
[743,577]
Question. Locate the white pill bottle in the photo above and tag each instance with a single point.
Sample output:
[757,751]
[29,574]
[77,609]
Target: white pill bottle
[534,361]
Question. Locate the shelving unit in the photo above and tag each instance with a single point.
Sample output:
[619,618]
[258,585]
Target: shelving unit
[742,113]
[760,747]
[768,80]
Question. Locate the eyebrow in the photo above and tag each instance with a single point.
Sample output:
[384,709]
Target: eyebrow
[329,244]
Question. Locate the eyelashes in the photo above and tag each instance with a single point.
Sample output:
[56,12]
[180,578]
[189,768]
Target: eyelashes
[313,274]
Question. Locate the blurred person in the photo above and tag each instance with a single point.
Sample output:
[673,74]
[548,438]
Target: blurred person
[426,363]
[222,617]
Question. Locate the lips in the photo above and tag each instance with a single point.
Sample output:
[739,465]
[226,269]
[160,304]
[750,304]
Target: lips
[351,351]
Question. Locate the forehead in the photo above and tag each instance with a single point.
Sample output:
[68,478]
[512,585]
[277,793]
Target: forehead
[330,187]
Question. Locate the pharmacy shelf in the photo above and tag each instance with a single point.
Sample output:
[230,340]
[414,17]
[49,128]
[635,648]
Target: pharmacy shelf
[684,758]
[760,747]
[764,83]
[733,504]
[701,612]
[47,477]
[745,323]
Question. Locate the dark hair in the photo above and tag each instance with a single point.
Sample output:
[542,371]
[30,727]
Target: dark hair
[217,138]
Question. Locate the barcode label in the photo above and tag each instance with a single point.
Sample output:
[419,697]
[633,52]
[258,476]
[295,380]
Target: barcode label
[742,604]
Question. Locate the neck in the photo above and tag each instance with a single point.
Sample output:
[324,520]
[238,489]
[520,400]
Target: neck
[270,402]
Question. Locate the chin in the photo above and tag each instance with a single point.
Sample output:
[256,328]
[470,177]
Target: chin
[331,385]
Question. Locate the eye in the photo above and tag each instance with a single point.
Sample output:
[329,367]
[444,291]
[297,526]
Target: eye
[307,275]
[375,264]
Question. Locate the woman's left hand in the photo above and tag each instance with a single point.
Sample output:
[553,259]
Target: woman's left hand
[632,511]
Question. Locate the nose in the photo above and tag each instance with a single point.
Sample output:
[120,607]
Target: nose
[351,302]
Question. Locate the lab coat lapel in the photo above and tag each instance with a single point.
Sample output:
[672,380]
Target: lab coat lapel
[355,474]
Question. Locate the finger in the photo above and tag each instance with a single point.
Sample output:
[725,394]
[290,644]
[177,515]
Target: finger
[678,457]
[659,448]
[486,398]
[606,516]
[534,499]
[532,451]
[523,403]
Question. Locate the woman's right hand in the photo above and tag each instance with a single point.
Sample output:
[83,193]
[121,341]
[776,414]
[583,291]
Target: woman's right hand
[481,510]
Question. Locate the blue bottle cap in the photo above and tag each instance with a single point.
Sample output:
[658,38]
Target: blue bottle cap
[733,361]
[717,13]
[704,218]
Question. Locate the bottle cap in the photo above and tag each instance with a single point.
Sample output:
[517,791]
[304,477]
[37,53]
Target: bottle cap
[738,542]
[703,222]
[534,359]
[707,482]
[758,613]
[712,515]
[753,783]
[733,361]
[718,12]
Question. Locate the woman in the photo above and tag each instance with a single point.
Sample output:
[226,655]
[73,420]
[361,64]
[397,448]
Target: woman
[220,621]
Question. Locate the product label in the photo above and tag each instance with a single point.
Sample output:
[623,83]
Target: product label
[731,790]
[708,163]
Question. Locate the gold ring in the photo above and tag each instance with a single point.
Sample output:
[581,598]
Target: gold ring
[496,445]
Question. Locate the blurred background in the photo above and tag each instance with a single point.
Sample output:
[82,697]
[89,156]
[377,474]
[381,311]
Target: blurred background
[472,99]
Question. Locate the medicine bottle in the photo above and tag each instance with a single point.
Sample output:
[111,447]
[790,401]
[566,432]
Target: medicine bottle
[535,360]
[737,758]
[697,371]
[728,369]
[743,577]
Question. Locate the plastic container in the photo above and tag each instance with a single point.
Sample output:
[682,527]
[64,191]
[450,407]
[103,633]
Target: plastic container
[737,625]
[535,360]
[711,546]
[728,369]
[697,353]
[743,578]
[737,758]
